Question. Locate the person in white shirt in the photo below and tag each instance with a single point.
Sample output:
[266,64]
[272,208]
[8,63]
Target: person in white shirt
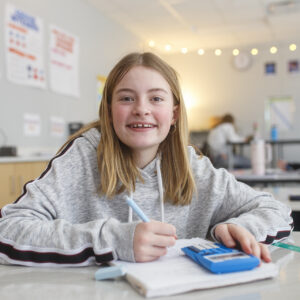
[217,139]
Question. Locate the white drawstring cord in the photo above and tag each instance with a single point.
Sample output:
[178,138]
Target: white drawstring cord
[130,210]
[160,189]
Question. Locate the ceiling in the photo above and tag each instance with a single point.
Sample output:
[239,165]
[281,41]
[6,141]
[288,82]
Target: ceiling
[206,24]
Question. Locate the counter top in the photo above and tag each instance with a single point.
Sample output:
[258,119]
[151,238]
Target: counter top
[33,158]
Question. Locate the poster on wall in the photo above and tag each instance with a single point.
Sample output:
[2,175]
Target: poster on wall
[100,85]
[32,124]
[64,62]
[293,66]
[24,48]
[280,112]
[57,126]
[270,68]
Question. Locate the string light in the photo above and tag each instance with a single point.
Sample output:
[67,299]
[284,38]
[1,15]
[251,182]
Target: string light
[293,47]
[168,47]
[218,52]
[273,50]
[151,44]
[184,50]
[235,52]
[254,51]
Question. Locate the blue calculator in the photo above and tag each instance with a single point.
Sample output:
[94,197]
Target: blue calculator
[219,259]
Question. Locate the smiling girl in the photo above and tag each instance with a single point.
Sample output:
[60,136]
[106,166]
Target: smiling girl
[75,213]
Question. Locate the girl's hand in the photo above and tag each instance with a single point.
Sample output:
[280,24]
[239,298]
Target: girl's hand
[232,235]
[151,240]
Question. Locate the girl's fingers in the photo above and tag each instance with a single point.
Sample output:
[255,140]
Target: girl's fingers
[231,234]
[256,249]
[265,253]
[223,234]
[163,240]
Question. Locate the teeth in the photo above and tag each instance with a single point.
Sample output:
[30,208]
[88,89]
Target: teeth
[142,126]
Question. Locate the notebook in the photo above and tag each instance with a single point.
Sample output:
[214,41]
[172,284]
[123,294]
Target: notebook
[175,273]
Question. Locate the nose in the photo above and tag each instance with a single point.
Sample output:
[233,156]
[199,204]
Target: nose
[141,108]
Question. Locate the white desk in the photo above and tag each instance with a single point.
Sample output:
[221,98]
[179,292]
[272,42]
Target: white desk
[272,176]
[282,193]
[78,283]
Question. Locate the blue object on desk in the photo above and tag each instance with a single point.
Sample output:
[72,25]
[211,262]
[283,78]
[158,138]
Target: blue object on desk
[136,209]
[219,259]
[274,133]
[110,272]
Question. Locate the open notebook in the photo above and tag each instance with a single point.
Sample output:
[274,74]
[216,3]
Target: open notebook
[175,273]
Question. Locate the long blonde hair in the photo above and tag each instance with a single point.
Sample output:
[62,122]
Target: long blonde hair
[117,169]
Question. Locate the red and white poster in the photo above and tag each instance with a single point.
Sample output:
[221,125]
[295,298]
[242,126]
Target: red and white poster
[64,62]
[24,48]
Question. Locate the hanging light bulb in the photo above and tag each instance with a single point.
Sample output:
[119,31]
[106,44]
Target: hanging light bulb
[273,50]
[184,50]
[168,47]
[201,51]
[293,47]
[218,52]
[151,44]
[235,52]
[254,51]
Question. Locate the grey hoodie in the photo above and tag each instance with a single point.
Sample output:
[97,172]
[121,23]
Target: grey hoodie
[60,219]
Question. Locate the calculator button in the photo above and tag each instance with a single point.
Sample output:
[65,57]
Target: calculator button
[195,249]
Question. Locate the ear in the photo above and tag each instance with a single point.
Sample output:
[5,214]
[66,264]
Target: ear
[175,114]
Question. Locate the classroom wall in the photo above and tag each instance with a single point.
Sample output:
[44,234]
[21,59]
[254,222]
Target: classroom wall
[102,43]
[212,86]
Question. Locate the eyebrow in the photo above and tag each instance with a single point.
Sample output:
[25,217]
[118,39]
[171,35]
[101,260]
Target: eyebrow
[149,91]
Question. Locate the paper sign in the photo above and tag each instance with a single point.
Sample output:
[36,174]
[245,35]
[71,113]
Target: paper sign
[32,125]
[57,126]
[24,48]
[64,62]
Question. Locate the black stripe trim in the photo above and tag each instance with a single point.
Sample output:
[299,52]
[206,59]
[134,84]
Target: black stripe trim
[280,235]
[47,169]
[53,257]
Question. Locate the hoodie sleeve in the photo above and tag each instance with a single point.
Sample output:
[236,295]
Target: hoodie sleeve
[40,228]
[234,202]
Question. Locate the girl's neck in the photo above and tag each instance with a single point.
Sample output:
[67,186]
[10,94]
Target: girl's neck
[143,158]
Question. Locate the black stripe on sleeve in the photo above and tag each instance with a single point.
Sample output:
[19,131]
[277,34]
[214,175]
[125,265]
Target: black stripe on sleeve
[53,257]
[68,146]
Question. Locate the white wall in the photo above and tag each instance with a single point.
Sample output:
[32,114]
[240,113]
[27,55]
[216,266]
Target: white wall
[102,43]
[217,88]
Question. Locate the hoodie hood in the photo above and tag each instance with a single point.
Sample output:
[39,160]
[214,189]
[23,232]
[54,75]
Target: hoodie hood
[151,172]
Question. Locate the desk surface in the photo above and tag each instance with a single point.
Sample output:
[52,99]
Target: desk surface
[78,283]
[275,176]
[278,142]
[282,194]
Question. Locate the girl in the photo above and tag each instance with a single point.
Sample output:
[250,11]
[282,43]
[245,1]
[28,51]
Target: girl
[75,213]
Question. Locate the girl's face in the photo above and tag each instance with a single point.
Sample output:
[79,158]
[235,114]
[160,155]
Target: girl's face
[142,111]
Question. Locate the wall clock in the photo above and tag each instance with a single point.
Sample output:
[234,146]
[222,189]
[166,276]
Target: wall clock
[242,61]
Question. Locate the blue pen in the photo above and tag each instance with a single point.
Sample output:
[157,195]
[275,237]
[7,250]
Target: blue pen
[136,209]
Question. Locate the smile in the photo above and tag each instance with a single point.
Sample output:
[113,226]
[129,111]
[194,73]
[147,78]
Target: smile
[139,125]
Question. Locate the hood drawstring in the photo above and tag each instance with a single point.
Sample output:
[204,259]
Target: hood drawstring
[130,210]
[160,190]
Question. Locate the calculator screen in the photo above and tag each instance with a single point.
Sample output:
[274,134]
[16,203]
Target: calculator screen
[227,256]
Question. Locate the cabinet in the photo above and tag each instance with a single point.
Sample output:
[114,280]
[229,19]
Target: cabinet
[13,177]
